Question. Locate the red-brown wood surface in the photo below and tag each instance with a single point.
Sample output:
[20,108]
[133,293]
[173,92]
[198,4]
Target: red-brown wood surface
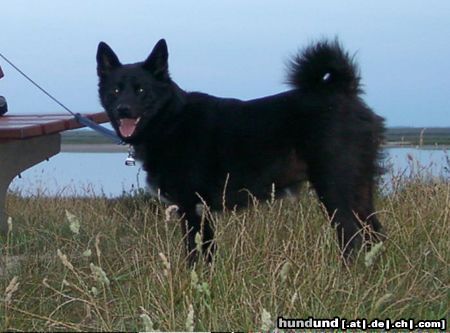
[15,127]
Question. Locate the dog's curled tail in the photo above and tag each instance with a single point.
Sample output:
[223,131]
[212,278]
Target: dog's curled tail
[324,67]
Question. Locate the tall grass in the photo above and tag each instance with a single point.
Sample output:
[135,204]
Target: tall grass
[114,265]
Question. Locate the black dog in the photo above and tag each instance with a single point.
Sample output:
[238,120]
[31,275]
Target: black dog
[200,148]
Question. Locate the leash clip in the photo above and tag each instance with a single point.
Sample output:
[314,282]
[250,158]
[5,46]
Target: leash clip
[130,161]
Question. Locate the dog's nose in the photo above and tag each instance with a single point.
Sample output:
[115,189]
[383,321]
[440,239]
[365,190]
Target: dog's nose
[124,111]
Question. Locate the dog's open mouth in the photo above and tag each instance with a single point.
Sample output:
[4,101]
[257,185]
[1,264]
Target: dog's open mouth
[127,126]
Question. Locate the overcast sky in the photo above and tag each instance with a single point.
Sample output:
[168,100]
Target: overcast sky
[230,48]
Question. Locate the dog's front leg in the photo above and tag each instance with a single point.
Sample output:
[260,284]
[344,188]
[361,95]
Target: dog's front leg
[191,225]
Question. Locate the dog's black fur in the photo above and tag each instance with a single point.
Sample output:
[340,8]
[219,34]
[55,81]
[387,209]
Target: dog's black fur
[200,148]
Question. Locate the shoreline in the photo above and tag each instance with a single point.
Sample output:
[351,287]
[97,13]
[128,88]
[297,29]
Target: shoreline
[114,148]
[93,148]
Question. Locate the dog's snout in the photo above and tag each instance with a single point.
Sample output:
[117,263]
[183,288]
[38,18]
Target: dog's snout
[124,111]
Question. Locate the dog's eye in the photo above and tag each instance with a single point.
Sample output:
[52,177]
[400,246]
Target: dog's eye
[116,91]
[140,90]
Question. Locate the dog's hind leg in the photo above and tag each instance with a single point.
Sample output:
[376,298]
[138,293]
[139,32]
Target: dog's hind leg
[334,189]
[364,208]
[191,225]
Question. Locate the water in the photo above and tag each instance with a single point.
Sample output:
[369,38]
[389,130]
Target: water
[89,174]
[423,161]
[82,174]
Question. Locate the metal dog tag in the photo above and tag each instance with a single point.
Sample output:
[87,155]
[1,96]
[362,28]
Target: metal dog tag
[130,161]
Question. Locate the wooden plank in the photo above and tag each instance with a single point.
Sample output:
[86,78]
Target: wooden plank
[20,132]
[99,117]
[34,116]
[26,126]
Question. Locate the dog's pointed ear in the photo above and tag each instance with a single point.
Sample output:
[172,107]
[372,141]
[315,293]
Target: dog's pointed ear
[157,63]
[106,60]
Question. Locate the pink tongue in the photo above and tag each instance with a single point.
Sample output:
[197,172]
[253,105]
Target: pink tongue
[127,127]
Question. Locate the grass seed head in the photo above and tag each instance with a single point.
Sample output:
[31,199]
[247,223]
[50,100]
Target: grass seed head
[374,252]
[64,260]
[10,224]
[166,263]
[74,223]
[266,321]
[99,274]
[147,322]
[170,212]
[12,287]
[190,319]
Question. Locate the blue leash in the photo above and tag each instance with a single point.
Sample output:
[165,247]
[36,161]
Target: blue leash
[98,128]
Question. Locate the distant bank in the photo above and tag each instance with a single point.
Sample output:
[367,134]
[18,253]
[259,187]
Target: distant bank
[418,136]
[89,141]
[92,148]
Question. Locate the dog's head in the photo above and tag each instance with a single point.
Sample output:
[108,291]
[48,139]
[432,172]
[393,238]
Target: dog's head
[134,94]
